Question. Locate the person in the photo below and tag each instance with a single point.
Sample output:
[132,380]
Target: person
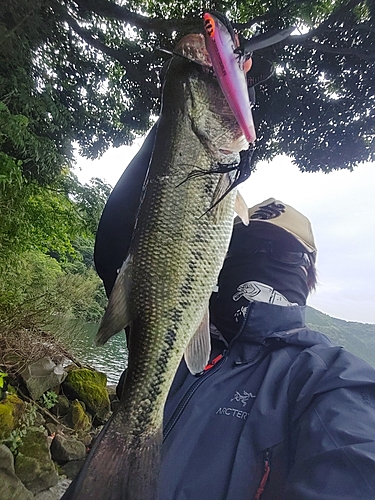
[279,413]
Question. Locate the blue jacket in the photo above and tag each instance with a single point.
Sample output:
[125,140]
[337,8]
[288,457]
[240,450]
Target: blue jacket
[284,407]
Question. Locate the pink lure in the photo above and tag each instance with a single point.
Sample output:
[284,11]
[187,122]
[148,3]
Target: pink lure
[230,73]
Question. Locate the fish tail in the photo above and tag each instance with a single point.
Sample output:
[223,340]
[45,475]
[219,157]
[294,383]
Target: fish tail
[115,470]
[144,469]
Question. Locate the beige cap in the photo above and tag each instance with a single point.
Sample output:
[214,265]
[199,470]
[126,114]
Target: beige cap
[285,217]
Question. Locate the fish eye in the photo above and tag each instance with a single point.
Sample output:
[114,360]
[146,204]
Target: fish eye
[209,28]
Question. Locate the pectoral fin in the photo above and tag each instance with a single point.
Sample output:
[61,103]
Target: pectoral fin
[198,350]
[117,314]
[241,209]
[222,189]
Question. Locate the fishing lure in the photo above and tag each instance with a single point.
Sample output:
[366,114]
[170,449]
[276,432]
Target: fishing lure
[228,65]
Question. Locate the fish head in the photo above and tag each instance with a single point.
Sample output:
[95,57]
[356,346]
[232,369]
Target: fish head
[212,117]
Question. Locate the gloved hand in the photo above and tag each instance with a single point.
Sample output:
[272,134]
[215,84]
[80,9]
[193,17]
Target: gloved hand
[116,225]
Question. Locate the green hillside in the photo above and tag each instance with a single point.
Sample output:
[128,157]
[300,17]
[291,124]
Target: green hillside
[359,338]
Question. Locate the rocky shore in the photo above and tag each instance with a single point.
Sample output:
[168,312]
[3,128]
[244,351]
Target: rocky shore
[50,414]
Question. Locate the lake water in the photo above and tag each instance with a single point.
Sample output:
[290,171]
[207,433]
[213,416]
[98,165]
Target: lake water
[110,359]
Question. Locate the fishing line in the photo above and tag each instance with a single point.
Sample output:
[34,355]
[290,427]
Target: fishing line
[244,169]
[221,168]
[173,53]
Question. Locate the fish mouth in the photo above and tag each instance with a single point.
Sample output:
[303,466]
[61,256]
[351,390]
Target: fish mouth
[193,47]
[231,144]
[237,143]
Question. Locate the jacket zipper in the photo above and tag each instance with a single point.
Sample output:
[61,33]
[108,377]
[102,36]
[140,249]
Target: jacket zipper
[210,369]
[216,364]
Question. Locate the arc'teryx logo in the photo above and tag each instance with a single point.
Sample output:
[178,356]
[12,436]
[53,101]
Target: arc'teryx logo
[243,398]
[235,412]
[270,211]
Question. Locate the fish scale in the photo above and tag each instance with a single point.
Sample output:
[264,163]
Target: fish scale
[176,253]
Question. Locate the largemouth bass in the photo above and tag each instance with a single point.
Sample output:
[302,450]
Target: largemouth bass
[163,289]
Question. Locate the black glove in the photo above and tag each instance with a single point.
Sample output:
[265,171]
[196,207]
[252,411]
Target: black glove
[116,225]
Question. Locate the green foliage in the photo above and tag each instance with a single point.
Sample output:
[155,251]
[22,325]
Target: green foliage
[3,385]
[36,288]
[23,417]
[14,441]
[88,71]
[36,154]
[50,75]
[29,275]
[89,199]
[90,306]
[3,376]
[39,294]
[34,217]
[40,222]
[44,210]
[31,123]
[49,399]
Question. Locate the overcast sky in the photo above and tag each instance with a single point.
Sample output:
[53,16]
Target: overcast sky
[340,206]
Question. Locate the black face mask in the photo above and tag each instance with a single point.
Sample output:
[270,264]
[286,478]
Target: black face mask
[227,306]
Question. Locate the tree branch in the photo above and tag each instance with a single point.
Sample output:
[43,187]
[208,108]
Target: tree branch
[118,54]
[269,16]
[111,10]
[307,42]
[326,26]
[341,11]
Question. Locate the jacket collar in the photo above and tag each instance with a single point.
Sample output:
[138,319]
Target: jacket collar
[264,321]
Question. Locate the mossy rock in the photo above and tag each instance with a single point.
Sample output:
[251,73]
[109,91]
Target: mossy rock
[62,406]
[11,410]
[11,487]
[33,464]
[80,419]
[90,387]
